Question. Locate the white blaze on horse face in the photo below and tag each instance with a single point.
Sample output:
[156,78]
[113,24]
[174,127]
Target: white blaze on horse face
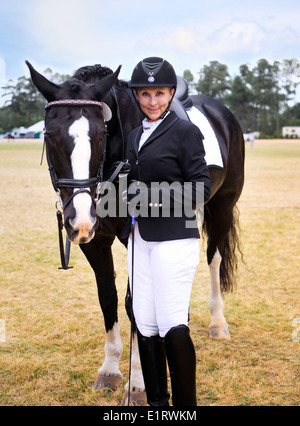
[80,161]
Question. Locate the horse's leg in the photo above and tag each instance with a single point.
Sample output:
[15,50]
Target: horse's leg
[221,225]
[137,387]
[218,328]
[98,253]
[109,375]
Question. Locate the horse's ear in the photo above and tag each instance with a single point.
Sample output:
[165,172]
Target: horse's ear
[44,86]
[102,87]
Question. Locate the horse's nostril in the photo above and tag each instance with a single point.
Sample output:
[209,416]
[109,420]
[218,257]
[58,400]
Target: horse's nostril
[84,240]
[73,232]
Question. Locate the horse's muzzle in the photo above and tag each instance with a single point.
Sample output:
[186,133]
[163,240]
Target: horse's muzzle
[81,233]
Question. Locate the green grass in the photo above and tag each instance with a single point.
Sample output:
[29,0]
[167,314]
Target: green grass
[54,326]
[20,146]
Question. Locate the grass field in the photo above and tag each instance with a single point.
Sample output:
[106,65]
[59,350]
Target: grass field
[53,341]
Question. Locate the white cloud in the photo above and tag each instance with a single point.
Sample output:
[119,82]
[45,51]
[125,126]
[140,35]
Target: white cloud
[237,37]
[234,43]
[184,39]
[64,28]
[72,33]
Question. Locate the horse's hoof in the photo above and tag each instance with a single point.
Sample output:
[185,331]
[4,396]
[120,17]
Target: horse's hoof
[110,383]
[136,398]
[219,333]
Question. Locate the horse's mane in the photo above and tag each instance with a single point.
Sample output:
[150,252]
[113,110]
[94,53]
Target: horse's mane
[93,73]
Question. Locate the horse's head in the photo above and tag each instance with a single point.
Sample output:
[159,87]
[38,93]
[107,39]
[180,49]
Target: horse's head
[74,135]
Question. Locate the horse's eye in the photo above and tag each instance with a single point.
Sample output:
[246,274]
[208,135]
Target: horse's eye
[103,137]
[50,138]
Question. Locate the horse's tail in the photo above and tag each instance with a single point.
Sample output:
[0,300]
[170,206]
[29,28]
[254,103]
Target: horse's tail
[223,232]
[231,248]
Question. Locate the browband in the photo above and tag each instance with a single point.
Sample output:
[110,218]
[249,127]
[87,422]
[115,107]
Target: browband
[107,114]
[78,102]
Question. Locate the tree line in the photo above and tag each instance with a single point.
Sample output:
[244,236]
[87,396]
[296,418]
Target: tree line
[262,97]
[25,105]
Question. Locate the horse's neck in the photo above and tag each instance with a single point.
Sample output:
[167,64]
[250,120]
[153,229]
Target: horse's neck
[126,116]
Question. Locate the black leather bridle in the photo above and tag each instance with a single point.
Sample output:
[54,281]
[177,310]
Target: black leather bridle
[81,184]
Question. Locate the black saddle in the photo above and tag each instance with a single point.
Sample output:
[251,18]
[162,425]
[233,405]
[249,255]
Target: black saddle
[182,100]
[182,93]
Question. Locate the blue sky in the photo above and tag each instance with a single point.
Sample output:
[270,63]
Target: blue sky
[66,34]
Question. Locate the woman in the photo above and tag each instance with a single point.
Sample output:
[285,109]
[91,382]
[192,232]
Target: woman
[165,149]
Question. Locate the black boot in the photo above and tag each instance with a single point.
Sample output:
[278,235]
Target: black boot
[182,365]
[154,367]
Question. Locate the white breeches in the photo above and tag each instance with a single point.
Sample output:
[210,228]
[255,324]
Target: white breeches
[162,282]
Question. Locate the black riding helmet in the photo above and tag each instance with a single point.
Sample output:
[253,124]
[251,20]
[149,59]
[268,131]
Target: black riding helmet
[154,72]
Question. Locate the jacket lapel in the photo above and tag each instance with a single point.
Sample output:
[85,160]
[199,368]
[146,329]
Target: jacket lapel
[137,138]
[162,128]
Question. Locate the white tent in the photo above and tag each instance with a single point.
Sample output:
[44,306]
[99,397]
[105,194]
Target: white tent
[38,127]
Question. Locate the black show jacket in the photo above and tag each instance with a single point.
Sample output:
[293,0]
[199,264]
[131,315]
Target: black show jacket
[174,152]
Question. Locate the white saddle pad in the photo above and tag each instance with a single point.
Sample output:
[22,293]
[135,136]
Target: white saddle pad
[213,155]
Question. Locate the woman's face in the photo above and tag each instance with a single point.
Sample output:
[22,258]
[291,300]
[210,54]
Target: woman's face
[154,100]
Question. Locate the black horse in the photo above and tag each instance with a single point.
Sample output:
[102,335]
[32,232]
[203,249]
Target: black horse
[75,131]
